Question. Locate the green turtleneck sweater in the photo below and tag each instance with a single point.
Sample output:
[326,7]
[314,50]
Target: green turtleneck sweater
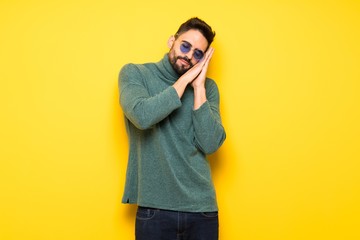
[168,140]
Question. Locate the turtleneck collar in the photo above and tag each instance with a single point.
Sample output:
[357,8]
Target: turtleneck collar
[165,67]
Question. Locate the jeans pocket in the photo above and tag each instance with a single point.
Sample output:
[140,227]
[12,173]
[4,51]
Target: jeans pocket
[210,214]
[145,213]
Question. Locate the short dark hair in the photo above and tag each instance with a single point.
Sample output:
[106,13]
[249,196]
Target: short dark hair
[197,24]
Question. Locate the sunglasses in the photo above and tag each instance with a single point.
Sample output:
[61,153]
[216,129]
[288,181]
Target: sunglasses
[185,47]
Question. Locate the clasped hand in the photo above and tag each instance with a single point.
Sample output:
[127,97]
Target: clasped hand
[197,74]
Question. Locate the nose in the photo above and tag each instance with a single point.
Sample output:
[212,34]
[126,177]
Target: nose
[190,54]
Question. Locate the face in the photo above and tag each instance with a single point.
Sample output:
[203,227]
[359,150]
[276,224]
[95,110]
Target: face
[187,50]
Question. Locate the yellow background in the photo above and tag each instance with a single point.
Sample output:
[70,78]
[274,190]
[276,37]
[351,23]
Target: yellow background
[288,73]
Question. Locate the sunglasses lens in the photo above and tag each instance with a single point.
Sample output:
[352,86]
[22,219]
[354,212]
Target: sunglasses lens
[198,55]
[185,48]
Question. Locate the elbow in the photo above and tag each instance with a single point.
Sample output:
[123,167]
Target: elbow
[141,123]
[213,144]
[210,150]
[137,118]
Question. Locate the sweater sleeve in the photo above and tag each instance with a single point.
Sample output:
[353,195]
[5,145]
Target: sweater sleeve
[209,132]
[142,109]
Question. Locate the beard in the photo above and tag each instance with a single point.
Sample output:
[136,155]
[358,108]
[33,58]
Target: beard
[177,65]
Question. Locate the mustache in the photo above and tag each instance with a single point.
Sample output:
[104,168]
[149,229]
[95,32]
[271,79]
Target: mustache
[185,59]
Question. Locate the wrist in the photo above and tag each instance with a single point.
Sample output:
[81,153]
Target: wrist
[199,88]
[199,96]
[198,85]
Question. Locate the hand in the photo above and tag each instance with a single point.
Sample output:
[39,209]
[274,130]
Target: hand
[195,75]
[195,72]
[199,81]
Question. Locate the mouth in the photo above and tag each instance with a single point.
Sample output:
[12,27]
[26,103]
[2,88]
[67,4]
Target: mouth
[184,62]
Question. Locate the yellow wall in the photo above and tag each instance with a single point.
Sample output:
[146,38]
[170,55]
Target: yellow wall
[288,72]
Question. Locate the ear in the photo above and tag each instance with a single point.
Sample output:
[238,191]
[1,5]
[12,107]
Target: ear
[171,41]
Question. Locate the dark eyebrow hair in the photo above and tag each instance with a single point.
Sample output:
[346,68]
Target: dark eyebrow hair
[187,42]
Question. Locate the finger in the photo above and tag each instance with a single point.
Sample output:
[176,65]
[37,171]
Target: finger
[206,56]
[206,64]
[209,53]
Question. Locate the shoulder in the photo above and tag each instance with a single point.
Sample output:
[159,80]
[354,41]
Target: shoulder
[130,73]
[130,67]
[211,84]
[210,81]
[134,68]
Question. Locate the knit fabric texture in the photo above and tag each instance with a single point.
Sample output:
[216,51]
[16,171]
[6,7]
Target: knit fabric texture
[168,139]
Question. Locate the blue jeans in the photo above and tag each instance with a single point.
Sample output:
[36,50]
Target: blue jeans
[157,224]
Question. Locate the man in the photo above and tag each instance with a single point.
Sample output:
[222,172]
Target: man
[173,122]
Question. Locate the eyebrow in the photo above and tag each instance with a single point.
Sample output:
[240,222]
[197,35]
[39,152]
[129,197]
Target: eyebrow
[187,42]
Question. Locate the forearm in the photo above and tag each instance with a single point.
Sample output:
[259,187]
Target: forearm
[209,132]
[145,111]
[180,85]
